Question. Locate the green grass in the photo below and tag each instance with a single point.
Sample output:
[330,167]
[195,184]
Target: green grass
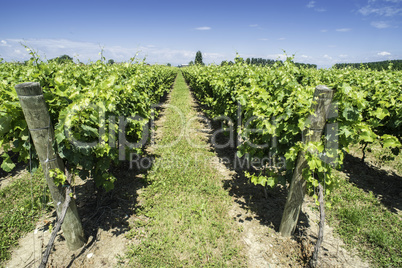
[183,219]
[364,223]
[18,213]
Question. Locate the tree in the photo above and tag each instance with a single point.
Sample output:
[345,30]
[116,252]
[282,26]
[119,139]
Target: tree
[111,62]
[62,59]
[169,64]
[65,58]
[198,58]
[191,63]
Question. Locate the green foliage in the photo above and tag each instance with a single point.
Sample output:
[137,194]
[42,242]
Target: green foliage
[198,58]
[379,65]
[269,62]
[83,100]
[277,100]
[7,165]
[58,176]
[262,62]
[62,59]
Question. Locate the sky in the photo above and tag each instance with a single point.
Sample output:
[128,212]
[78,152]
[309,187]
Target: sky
[322,32]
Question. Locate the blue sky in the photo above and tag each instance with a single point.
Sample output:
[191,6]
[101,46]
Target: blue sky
[322,32]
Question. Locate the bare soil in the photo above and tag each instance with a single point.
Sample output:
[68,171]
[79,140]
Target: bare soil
[105,217]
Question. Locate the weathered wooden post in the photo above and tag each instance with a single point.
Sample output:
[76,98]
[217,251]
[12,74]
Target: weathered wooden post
[322,101]
[37,116]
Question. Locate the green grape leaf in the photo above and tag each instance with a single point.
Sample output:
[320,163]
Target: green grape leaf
[7,165]
[351,114]
[390,141]
[381,113]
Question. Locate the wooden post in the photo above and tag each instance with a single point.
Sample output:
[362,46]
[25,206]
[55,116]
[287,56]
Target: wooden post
[322,101]
[42,133]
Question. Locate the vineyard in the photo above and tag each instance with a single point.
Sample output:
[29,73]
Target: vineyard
[83,101]
[102,115]
[367,107]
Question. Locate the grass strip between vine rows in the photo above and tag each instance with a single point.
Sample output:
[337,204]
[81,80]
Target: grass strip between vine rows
[364,223]
[183,219]
[21,202]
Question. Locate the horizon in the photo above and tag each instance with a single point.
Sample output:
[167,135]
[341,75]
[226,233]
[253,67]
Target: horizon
[316,32]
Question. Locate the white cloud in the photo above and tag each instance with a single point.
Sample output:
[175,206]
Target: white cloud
[343,56]
[253,25]
[311,4]
[381,10]
[204,28]
[324,30]
[327,57]
[213,57]
[277,56]
[3,43]
[383,53]
[380,24]
[263,39]
[343,30]
[86,51]
[282,38]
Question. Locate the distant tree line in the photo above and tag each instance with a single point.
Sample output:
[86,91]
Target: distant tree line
[268,62]
[62,59]
[378,65]
[67,58]
[261,61]
[306,65]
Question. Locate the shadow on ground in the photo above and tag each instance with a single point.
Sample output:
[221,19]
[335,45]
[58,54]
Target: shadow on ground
[386,185]
[268,204]
[19,166]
